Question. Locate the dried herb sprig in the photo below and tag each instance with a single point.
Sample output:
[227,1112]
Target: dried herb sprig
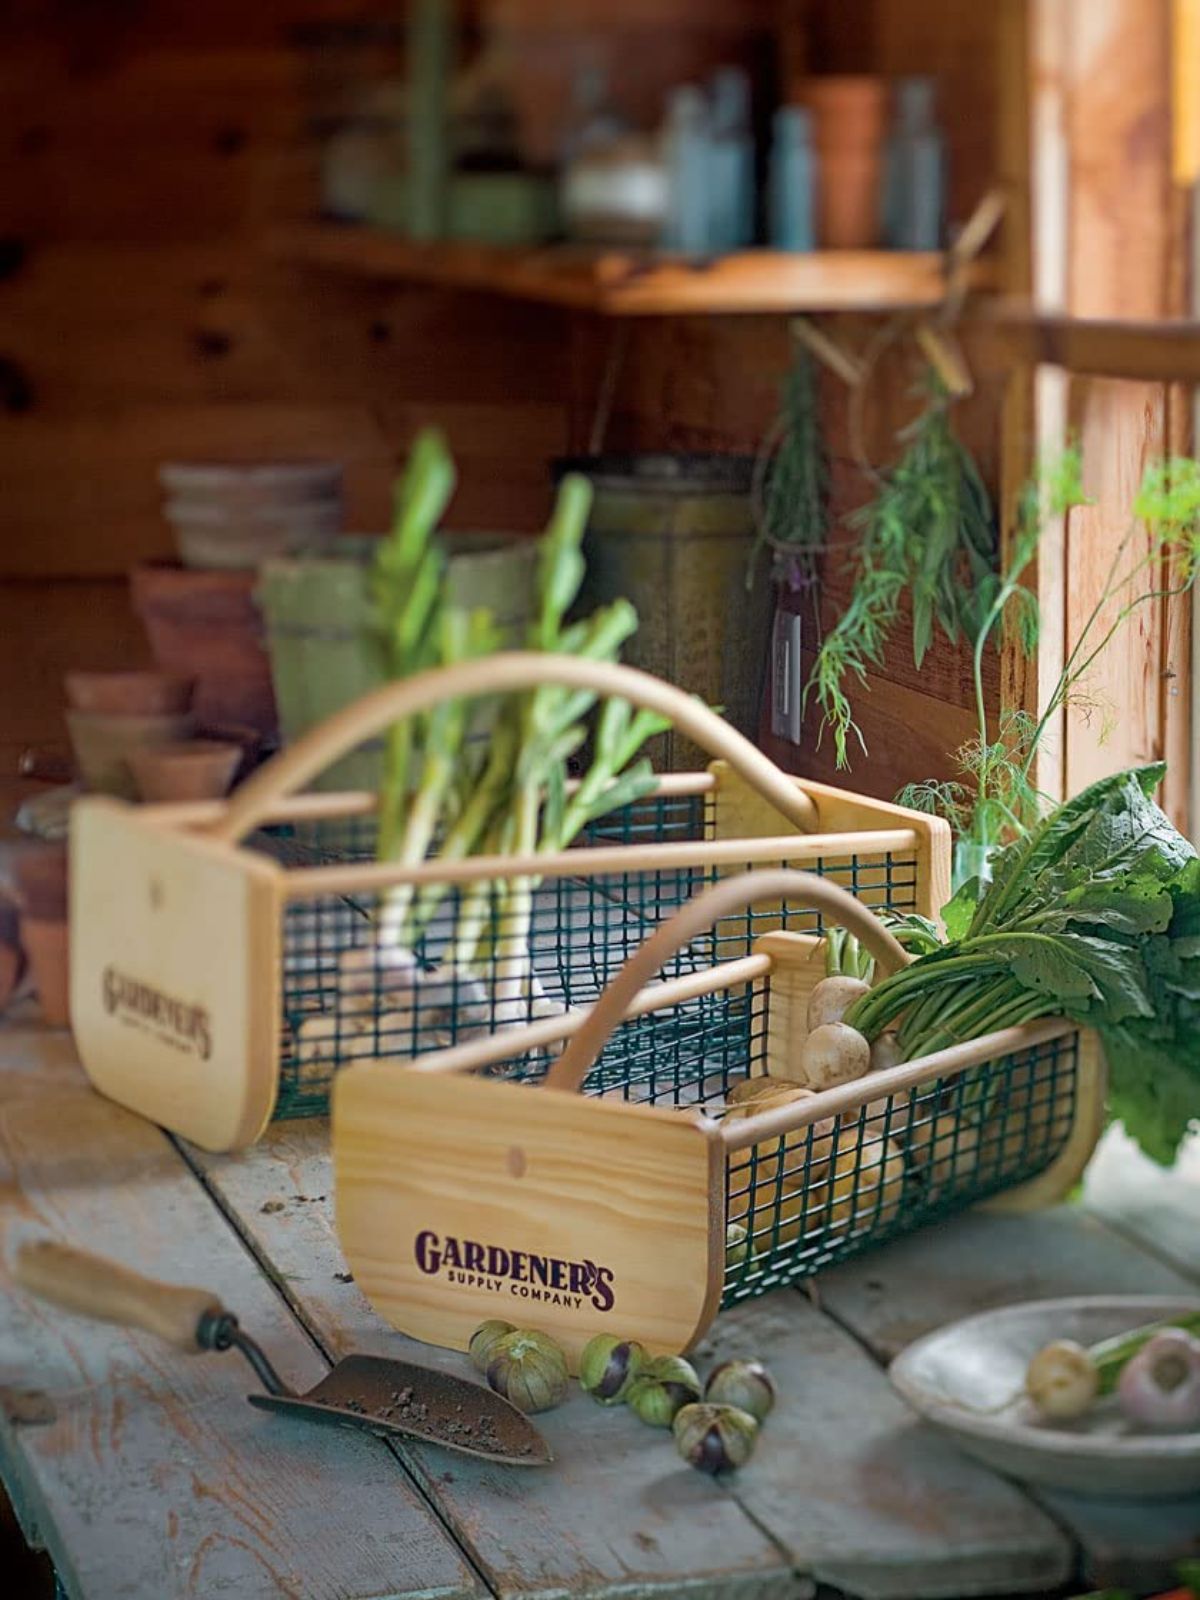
[930,532]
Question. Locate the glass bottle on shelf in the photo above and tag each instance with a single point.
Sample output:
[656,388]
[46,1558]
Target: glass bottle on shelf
[731,156]
[790,212]
[915,184]
[687,144]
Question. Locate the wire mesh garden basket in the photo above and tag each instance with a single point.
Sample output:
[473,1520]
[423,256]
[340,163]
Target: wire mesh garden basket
[224,967]
[476,1183]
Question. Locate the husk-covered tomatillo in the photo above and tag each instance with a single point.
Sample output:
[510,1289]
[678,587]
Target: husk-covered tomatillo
[744,1384]
[715,1438]
[608,1366]
[662,1388]
[529,1369]
[485,1337]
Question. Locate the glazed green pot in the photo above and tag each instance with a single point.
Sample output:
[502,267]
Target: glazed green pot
[324,652]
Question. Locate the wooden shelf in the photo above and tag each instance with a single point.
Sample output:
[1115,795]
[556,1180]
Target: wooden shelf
[616,283]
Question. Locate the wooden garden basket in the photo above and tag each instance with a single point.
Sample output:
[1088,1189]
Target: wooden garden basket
[213,954]
[638,1207]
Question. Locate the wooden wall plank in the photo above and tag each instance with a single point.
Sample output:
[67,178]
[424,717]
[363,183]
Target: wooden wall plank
[44,628]
[1125,258]
[143,164]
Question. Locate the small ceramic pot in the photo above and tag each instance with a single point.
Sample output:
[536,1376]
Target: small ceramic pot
[206,625]
[124,694]
[104,744]
[194,769]
[849,117]
[46,944]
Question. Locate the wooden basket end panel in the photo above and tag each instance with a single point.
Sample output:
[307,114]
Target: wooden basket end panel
[462,1200]
[740,812]
[920,878]
[797,966]
[174,975]
[1087,1113]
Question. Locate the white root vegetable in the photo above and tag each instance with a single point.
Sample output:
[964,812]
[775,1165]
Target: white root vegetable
[867,1186]
[1062,1380]
[754,1088]
[375,977]
[833,1053]
[1159,1387]
[755,1175]
[832,998]
[886,1052]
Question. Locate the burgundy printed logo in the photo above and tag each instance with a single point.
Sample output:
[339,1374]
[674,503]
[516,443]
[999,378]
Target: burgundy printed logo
[515,1272]
[184,1027]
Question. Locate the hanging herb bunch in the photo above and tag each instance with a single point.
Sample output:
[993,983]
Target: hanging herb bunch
[792,483]
[930,533]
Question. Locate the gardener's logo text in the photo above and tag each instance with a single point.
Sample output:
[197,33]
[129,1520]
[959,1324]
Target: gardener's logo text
[515,1272]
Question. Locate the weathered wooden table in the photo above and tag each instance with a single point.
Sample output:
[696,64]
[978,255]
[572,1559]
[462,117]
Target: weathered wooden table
[146,1475]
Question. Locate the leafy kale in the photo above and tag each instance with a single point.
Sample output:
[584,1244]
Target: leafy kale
[1095,914]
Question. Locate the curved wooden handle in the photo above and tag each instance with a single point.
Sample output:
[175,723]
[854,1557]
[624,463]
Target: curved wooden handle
[696,917]
[500,674]
[94,1287]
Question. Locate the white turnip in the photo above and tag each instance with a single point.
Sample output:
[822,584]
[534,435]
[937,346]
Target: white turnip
[833,1053]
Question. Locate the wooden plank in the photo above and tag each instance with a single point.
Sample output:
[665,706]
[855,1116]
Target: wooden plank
[1158,1207]
[1125,259]
[153,1478]
[861,1498]
[909,737]
[45,630]
[978,1261]
[279,1193]
[1158,349]
[614,1516]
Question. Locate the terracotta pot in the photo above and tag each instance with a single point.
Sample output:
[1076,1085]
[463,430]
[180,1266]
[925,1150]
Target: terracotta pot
[129,693]
[850,118]
[854,108]
[46,945]
[207,626]
[103,746]
[197,769]
[849,200]
[212,537]
[41,875]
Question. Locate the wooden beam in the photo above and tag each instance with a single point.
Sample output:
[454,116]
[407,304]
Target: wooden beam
[1151,352]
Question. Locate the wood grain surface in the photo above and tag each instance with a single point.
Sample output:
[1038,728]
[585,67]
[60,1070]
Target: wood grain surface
[143,1470]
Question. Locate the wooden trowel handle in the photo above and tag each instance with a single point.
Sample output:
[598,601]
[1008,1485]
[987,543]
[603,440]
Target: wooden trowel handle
[104,1289]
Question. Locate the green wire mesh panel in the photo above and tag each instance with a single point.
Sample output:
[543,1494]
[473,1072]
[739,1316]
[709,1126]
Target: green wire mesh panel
[797,1204]
[347,996]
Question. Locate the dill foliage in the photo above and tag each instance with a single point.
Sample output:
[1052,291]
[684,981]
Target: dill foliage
[930,533]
